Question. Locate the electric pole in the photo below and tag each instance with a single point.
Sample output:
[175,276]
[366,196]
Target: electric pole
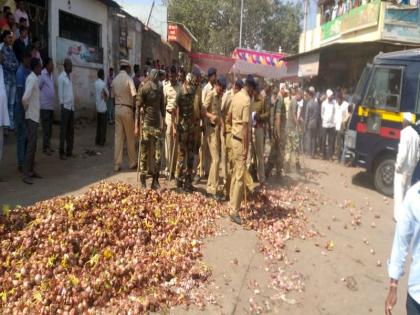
[240,28]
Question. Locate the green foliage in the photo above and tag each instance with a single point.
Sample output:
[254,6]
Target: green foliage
[267,24]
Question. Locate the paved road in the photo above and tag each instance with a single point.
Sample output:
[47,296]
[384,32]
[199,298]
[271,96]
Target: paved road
[343,281]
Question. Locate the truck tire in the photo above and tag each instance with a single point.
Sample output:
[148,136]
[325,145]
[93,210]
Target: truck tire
[383,177]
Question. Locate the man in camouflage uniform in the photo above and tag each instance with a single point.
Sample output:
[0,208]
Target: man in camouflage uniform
[276,156]
[184,130]
[292,132]
[150,104]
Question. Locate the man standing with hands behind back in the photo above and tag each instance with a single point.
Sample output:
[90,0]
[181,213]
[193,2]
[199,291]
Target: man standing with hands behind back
[66,99]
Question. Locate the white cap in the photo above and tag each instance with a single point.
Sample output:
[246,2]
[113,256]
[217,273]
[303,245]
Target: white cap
[330,93]
[124,62]
[408,117]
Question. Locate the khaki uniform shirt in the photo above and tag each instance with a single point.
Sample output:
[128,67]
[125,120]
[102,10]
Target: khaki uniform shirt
[207,88]
[170,92]
[213,104]
[259,106]
[123,89]
[226,105]
[240,110]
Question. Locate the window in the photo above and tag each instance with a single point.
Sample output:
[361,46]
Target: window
[80,30]
[385,88]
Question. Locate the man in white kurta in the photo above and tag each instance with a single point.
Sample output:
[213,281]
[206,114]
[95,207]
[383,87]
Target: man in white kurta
[407,158]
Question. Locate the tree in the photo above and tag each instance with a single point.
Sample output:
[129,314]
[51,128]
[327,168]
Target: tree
[267,24]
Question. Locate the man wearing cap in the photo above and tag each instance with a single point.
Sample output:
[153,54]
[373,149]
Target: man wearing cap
[170,91]
[212,106]
[150,102]
[203,166]
[240,113]
[184,129]
[328,126]
[227,134]
[407,158]
[124,93]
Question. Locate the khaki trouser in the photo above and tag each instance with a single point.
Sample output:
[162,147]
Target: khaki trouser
[203,166]
[124,131]
[213,141]
[238,176]
[258,148]
[169,141]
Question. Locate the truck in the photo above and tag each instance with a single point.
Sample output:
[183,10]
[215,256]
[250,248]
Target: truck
[386,89]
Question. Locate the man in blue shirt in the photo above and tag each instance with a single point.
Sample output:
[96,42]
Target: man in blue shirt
[407,233]
[22,73]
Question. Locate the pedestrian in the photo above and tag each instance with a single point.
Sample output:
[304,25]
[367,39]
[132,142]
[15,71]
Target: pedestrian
[150,102]
[111,100]
[30,102]
[240,113]
[22,74]
[328,126]
[47,100]
[406,239]
[183,130]
[407,157]
[267,95]
[4,115]
[198,114]
[341,107]
[4,20]
[102,95]
[276,155]
[292,132]
[10,66]
[21,11]
[311,122]
[136,76]
[212,106]
[124,91]
[22,43]
[170,91]
[66,100]
[204,161]
[260,115]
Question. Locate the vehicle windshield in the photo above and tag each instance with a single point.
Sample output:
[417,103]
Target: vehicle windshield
[357,95]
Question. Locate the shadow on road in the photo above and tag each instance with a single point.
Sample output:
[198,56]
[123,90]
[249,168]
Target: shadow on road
[363,179]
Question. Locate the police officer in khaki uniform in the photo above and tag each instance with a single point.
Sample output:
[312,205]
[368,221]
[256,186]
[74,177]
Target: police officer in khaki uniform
[240,113]
[124,93]
[150,102]
[212,106]
[227,135]
[260,115]
[170,91]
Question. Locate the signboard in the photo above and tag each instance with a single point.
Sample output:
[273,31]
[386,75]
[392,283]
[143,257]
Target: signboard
[259,58]
[308,65]
[366,15]
[80,54]
[176,33]
[402,23]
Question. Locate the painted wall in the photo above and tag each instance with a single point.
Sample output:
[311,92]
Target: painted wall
[83,76]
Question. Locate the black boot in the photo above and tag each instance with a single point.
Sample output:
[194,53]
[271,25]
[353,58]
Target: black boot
[178,183]
[143,181]
[155,183]
[188,186]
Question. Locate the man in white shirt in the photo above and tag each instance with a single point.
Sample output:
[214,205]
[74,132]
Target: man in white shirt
[31,104]
[407,158]
[341,107]
[102,95]
[66,99]
[328,125]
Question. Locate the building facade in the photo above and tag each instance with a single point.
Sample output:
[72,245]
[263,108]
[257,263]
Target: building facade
[348,35]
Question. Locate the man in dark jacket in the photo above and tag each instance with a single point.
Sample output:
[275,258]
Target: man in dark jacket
[312,114]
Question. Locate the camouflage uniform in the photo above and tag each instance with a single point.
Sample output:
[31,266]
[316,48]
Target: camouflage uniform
[276,156]
[150,99]
[185,133]
[292,135]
